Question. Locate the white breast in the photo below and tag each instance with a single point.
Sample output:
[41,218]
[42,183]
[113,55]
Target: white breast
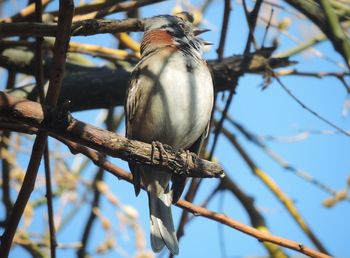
[180,102]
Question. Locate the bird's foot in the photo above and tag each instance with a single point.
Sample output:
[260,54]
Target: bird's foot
[188,162]
[163,155]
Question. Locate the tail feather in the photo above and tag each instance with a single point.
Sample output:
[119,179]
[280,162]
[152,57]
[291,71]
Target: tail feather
[162,226]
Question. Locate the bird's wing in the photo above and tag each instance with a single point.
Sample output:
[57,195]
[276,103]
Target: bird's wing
[132,98]
[131,105]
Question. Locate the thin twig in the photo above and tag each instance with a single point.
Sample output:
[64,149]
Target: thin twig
[339,75]
[267,28]
[224,27]
[50,213]
[275,189]
[279,160]
[309,109]
[256,218]
[63,34]
[196,210]
[39,76]
[251,19]
[5,136]
[81,252]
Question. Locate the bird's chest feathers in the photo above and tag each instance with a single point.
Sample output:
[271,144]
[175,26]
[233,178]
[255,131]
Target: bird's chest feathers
[181,97]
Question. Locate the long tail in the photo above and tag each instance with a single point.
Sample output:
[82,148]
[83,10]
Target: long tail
[162,226]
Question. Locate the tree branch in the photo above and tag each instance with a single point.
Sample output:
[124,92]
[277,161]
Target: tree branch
[42,117]
[79,28]
[103,87]
[196,210]
[66,9]
[327,21]
[275,189]
[99,160]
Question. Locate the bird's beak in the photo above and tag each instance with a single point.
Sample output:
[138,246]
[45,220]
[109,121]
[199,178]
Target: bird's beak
[206,43]
[198,31]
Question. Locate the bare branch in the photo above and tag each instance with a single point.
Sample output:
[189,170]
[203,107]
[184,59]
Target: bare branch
[275,189]
[103,87]
[80,28]
[200,211]
[61,44]
[105,141]
[309,109]
[227,11]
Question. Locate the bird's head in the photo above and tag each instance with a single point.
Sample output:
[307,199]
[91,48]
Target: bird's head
[177,31]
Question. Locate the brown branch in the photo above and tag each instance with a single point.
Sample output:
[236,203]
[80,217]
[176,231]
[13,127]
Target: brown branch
[261,236]
[251,19]
[256,219]
[63,34]
[227,11]
[39,77]
[33,113]
[102,87]
[81,252]
[50,212]
[274,188]
[80,28]
[196,210]
[99,160]
[5,137]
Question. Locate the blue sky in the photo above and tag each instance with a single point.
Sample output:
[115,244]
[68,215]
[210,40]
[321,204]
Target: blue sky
[265,113]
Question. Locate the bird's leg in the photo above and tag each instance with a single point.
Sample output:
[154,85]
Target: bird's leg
[153,144]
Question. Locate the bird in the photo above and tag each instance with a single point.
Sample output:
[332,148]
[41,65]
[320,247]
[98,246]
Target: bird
[169,101]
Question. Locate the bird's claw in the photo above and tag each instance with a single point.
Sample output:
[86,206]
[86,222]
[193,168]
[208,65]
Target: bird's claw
[188,161]
[162,152]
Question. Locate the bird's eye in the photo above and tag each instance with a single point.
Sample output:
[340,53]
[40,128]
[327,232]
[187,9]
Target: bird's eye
[181,25]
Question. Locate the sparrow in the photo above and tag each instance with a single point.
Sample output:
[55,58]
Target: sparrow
[169,100]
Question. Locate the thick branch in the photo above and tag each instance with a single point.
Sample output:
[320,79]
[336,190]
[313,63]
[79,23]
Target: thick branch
[100,160]
[42,117]
[102,87]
